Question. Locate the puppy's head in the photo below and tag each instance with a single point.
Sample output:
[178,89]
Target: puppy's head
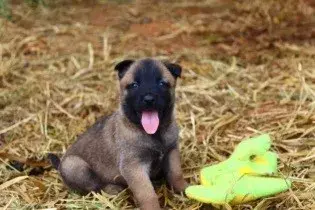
[147,91]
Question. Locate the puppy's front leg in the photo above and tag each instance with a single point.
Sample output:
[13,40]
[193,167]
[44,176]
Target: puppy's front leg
[137,177]
[173,171]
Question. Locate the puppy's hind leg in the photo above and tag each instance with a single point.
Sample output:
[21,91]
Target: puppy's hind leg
[78,175]
[113,189]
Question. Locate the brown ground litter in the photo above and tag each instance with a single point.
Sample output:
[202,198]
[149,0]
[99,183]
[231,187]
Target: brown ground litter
[248,65]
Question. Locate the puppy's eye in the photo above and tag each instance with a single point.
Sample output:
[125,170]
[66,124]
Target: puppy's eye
[163,83]
[133,85]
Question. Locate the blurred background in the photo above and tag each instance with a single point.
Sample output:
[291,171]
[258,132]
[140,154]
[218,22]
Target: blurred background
[248,68]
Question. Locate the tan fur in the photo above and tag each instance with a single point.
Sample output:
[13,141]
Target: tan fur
[109,153]
[166,74]
[128,77]
[175,175]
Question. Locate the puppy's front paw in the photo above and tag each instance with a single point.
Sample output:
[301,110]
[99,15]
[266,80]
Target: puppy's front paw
[179,185]
[151,204]
[150,207]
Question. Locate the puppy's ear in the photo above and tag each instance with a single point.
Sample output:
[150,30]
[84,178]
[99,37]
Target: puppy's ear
[122,67]
[175,69]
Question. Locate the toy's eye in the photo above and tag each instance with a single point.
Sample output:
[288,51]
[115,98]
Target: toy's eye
[163,83]
[252,157]
[133,85]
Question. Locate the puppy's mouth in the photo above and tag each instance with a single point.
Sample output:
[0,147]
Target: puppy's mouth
[150,121]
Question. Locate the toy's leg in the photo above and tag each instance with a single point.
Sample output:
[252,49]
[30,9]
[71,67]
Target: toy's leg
[173,171]
[78,175]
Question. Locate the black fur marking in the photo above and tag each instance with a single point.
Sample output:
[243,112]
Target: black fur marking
[122,67]
[54,159]
[148,77]
[16,165]
[175,69]
[36,171]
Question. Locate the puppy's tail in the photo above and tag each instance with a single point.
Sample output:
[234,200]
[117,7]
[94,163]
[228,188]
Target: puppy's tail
[54,159]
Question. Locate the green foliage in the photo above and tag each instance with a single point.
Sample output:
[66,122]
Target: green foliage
[4,9]
[35,3]
[116,1]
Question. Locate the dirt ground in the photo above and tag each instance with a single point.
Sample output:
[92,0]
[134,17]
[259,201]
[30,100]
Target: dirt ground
[248,68]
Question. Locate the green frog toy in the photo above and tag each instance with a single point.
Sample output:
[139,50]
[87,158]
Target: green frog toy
[247,175]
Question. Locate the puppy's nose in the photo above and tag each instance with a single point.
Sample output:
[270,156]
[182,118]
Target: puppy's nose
[149,99]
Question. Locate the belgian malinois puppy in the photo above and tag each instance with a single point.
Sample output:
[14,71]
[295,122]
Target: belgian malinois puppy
[135,144]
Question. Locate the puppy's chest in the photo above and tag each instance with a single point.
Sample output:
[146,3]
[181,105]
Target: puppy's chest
[156,155]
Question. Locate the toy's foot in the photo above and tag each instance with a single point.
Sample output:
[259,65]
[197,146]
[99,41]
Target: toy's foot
[250,188]
[214,195]
[236,191]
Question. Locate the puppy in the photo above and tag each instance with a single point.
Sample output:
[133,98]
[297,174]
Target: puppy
[134,145]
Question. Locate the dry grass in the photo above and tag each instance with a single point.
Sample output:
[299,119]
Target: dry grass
[248,68]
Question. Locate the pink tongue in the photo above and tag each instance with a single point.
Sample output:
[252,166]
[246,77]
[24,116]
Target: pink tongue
[150,121]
